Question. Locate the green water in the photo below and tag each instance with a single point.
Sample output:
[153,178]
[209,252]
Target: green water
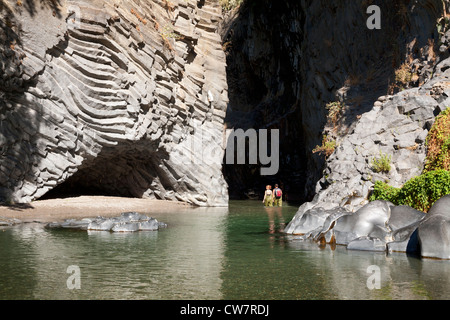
[205,253]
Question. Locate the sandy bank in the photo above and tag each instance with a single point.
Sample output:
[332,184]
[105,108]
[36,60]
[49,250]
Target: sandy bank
[85,206]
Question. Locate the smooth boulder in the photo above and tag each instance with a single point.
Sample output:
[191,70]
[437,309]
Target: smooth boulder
[434,231]
[377,226]
[404,222]
[311,220]
[369,221]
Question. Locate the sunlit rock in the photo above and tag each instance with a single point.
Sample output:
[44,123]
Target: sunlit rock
[126,222]
[369,221]
[112,97]
[434,231]
[311,220]
[367,244]
[378,226]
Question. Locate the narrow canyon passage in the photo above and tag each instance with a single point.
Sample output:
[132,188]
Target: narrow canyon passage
[113,102]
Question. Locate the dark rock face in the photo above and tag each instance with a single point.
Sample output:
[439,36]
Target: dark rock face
[287,60]
[263,41]
[112,98]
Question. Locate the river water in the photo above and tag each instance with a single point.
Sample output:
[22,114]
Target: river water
[206,253]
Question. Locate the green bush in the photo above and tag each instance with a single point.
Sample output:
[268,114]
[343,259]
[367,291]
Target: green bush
[382,164]
[383,191]
[420,192]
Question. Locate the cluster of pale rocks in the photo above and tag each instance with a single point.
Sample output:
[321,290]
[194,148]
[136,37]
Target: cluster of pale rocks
[126,222]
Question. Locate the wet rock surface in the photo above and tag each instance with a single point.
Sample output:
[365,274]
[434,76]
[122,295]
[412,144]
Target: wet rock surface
[126,222]
[379,226]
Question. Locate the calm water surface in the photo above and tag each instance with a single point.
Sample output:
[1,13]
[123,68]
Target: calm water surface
[206,253]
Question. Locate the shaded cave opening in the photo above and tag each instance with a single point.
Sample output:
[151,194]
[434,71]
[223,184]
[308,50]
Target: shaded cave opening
[116,172]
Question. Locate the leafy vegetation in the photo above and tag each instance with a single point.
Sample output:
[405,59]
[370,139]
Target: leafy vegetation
[438,143]
[382,164]
[420,192]
[228,5]
[335,110]
[423,191]
[327,148]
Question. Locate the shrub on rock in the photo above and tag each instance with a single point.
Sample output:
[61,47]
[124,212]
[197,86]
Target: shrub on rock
[438,143]
[420,192]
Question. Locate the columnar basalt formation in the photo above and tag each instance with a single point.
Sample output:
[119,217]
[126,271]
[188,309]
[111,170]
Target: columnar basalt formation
[111,96]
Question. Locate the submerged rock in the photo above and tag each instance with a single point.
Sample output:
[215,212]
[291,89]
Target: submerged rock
[367,244]
[8,222]
[125,227]
[126,222]
[101,224]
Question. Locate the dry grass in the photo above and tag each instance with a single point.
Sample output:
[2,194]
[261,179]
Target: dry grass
[352,80]
[169,6]
[438,143]
[327,148]
[228,5]
[431,51]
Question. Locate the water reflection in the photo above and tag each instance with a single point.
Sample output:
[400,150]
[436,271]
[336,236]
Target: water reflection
[274,213]
[346,273]
[183,261]
[206,253]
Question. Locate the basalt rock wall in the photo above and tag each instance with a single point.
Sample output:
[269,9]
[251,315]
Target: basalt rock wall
[131,97]
[112,97]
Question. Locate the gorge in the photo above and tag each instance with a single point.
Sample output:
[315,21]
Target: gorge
[108,97]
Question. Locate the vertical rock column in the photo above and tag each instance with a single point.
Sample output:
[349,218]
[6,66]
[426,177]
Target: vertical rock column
[116,96]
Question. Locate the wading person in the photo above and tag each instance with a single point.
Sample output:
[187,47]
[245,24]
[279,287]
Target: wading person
[277,196]
[268,198]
